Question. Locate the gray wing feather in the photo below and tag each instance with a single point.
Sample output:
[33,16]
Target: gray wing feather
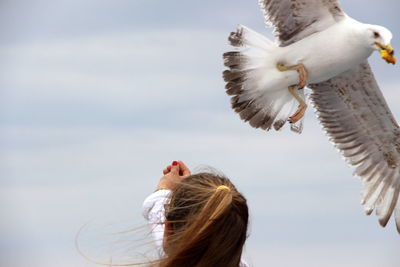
[296,19]
[354,113]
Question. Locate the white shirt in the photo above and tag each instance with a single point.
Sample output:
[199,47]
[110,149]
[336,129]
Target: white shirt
[154,213]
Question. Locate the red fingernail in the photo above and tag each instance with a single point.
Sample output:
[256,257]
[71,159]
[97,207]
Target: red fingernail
[174,163]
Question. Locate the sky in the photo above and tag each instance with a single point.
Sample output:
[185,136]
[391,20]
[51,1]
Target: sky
[98,96]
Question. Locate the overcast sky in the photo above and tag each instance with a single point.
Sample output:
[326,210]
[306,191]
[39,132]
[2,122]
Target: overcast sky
[98,96]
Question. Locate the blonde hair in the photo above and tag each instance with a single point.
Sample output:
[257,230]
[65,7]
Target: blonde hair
[207,221]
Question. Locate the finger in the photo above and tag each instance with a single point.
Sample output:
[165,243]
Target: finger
[184,169]
[167,169]
[175,168]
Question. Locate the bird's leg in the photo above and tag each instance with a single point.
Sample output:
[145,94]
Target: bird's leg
[301,70]
[302,105]
[303,77]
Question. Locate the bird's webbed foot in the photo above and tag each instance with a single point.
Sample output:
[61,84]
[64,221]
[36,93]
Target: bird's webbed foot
[301,108]
[303,77]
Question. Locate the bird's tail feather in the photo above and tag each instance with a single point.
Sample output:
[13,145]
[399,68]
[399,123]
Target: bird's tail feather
[255,84]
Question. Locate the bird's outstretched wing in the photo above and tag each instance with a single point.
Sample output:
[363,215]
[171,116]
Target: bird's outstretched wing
[358,121]
[296,19]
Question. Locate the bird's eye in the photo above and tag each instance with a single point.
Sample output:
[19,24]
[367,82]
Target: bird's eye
[376,35]
[391,53]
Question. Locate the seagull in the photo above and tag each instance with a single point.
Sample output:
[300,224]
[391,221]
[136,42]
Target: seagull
[320,47]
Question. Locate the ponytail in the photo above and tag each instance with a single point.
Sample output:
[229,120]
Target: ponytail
[217,204]
[207,219]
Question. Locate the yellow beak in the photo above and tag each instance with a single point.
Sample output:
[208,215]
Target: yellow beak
[387,53]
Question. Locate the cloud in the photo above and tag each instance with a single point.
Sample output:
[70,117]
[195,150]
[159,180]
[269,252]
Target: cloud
[125,73]
[332,255]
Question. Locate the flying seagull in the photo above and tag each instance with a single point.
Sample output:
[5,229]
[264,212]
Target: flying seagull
[321,47]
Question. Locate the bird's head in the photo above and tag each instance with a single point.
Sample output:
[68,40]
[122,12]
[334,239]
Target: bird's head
[380,38]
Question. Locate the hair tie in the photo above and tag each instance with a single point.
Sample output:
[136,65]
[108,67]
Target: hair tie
[223,187]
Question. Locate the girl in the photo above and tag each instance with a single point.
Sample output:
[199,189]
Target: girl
[198,220]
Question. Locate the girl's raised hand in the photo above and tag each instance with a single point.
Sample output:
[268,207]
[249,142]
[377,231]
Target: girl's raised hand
[173,174]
